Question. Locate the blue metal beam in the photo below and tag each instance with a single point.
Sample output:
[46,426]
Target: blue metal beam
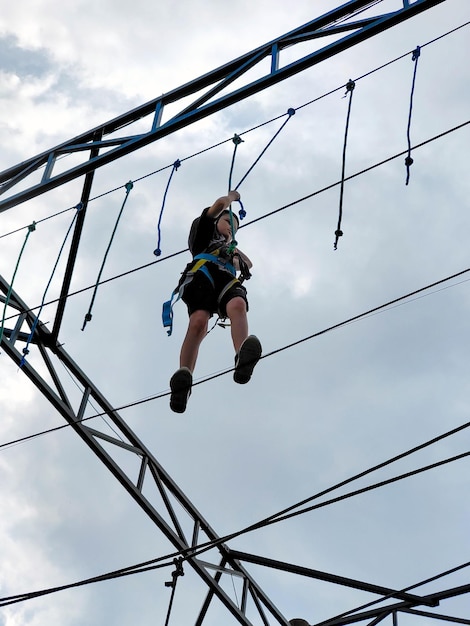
[332,23]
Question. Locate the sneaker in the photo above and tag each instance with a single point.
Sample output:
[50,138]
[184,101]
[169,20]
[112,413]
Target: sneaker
[180,385]
[246,359]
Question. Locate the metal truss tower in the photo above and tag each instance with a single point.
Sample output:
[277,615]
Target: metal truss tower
[151,487]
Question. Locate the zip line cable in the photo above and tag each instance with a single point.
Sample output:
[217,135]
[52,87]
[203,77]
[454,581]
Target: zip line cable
[290,113]
[346,322]
[426,581]
[220,143]
[262,217]
[178,571]
[202,548]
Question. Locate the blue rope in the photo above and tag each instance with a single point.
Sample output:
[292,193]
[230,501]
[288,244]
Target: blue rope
[79,207]
[237,140]
[176,164]
[88,316]
[409,160]
[349,89]
[290,113]
[31,228]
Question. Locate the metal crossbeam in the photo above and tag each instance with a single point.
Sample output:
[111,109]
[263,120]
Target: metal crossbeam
[107,149]
[167,501]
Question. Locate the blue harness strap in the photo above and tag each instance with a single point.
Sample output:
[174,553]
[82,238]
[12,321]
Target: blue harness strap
[199,265]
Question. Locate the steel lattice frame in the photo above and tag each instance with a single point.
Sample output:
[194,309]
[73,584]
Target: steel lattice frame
[168,503]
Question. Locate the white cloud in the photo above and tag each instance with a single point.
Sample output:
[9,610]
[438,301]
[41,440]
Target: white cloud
[314,414]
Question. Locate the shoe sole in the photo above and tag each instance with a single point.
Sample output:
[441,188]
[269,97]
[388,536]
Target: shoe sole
[250,354]
[180,385]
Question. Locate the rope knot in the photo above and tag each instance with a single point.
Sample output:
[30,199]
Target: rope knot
[338,233]
[129,186]
[177,572]
[349,86]
[416,53]
[241,212]
[290,112]
[237,140]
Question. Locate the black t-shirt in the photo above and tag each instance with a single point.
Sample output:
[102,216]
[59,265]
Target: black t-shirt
[203,234]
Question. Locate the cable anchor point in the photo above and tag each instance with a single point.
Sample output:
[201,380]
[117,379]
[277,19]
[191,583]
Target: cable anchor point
[349,87]
[415,54]
[176,573]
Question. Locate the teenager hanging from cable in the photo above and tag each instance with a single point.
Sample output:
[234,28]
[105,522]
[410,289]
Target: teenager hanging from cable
[210,285]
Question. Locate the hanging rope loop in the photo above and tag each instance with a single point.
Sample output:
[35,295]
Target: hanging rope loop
[78,208]
[408,160]
[31,229]
[178,571]
[350,85]
[237,140]
[88,316]
[176,164]
[290,113]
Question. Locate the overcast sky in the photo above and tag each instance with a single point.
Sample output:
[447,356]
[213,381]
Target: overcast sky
[314,414]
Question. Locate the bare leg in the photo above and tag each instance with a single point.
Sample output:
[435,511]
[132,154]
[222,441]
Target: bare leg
[236,311]
[247,348]
[197,330]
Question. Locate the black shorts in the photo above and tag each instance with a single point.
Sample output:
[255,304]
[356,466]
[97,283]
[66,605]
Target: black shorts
[201,295]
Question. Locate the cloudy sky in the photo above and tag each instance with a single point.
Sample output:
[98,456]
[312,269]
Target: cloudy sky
[322,407]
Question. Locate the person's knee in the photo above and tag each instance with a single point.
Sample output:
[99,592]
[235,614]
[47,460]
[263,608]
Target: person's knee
[198,323]
[236,307]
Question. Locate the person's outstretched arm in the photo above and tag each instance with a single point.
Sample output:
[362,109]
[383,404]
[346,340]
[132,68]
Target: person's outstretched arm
[223,203]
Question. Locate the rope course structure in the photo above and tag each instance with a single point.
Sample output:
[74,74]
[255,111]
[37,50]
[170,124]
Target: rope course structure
[171,510]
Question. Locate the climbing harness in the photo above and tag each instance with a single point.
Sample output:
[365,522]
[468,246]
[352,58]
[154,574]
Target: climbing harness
[78,208]
[88,316]
[31,228]
[409,161]
[176,164]
[339,233]
[197,264]
[178,571]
